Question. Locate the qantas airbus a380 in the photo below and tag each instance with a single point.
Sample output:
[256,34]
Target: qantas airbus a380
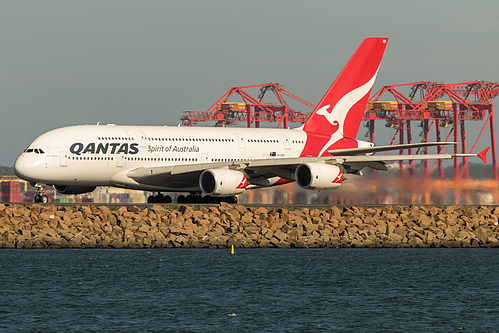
[215,164]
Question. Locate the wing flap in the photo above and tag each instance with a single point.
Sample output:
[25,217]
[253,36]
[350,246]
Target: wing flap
[384,158]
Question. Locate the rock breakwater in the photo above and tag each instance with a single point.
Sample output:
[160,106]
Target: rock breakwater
[93,226]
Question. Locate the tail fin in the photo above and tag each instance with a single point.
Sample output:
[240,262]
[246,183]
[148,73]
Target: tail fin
[344,103]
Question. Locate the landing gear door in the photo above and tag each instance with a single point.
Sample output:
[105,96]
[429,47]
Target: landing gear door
[63,159]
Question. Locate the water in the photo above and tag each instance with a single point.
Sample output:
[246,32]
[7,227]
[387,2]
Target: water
[255,290]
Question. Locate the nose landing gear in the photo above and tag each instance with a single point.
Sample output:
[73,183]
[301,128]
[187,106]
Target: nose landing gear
[40,196]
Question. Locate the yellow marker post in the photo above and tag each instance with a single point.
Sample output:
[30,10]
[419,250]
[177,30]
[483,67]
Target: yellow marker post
[232,249]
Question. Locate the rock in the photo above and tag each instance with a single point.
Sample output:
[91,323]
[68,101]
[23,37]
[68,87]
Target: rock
[281,236]
[134,209]
[225,207]
[390,227]
[247,218]
[262,211]
[144,228]
[481,234]
[252,230]
[158,210]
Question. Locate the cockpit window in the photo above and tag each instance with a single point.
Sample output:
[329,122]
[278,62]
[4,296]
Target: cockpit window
[34,150]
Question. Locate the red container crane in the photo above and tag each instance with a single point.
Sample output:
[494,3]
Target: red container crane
[468,101]
[252,110]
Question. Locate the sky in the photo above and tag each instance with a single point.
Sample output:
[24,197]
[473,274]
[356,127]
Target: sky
[144,62]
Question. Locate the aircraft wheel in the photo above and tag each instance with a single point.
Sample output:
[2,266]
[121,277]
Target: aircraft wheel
[229,200]
[37,198]
[44,199]
[181,199]
[209,199]
[167,199]
[151,199]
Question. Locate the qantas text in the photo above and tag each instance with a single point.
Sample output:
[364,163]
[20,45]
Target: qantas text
[79,148]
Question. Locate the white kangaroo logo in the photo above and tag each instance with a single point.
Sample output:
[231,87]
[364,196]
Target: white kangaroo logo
[340,110]
[323,111]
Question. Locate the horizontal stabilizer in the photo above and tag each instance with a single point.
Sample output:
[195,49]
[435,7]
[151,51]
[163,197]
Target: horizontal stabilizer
[483,155]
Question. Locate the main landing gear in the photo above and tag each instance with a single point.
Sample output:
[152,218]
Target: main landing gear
[191,198]
[206,199]
[40,196]
[159,198]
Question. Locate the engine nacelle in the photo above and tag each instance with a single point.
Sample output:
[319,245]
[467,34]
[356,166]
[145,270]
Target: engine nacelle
[71,189]
[222,182]
[318,176]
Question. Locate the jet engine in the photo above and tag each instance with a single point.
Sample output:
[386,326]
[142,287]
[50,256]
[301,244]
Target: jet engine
[70,189]
[318,176]
[222,182]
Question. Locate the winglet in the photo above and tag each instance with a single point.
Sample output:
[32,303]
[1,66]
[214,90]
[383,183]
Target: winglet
[483,155]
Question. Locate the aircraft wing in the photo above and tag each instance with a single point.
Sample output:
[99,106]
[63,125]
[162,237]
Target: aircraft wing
[371,150]
[259,170]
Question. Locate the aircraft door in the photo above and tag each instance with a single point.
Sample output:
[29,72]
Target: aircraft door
[63,159]
[240,140]
[141,138]
[120,160]
[285,141]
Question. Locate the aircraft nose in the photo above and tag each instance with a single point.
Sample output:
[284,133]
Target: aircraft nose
[23,168]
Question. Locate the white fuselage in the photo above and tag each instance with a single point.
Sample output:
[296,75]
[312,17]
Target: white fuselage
[103,155]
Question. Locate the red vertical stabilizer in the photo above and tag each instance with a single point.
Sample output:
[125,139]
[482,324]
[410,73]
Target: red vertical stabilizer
[340,111]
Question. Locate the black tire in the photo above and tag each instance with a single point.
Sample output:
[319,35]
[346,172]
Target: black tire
[44,199]
[197,199]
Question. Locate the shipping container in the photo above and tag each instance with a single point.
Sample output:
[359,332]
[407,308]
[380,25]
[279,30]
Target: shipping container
[438,105]
[12,197]
[232,106]
[11,187]
[383,105]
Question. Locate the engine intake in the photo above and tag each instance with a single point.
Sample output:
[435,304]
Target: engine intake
[318,176]
[222,182]
[70,189]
